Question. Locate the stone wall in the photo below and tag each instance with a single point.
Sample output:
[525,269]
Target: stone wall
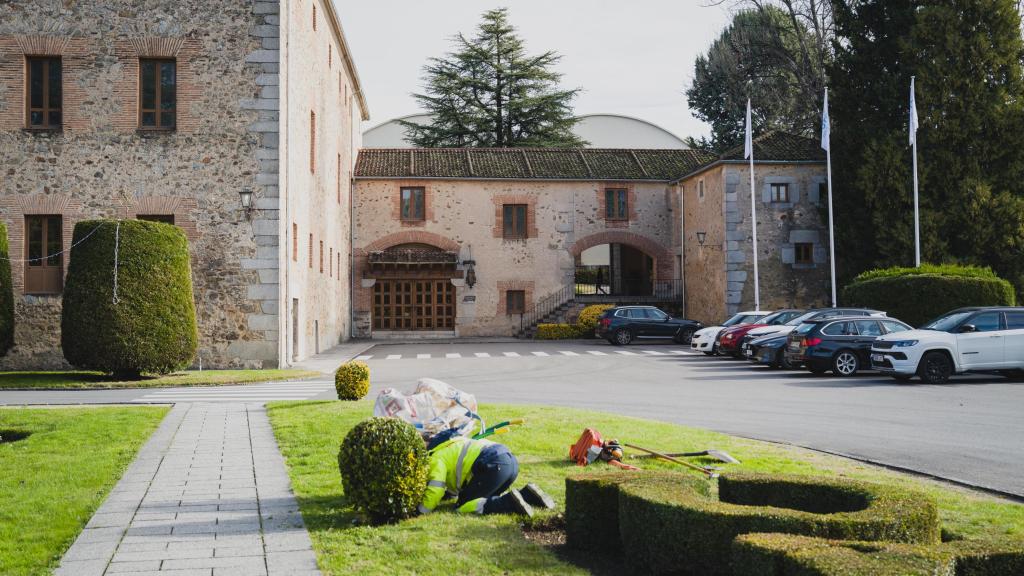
[564,219]
[704,265]
[99,165]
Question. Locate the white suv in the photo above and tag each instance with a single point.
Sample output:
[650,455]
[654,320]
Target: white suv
[705,339]
[964,340]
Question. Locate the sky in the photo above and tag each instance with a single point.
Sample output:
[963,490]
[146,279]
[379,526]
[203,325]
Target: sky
[630,57]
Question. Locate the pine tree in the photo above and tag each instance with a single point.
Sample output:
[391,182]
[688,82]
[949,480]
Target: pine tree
[490,93]
[966,55]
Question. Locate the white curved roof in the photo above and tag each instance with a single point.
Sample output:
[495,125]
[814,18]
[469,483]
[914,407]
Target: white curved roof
[600,130]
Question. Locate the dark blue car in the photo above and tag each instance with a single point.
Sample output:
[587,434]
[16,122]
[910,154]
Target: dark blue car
[842,345]
[624,324]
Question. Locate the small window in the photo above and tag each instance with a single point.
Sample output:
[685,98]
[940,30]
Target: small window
[803,253]
[1015,320]
[45,93]
[515,301]
[700,189]
[44,245]
[413,204]
[339,264]
[339,178]
[621,313]
[514,222]
[295,242]
[164,218]
[312,141]
[330,55]
[311,251]
[655,314]
[321,256]
[637,314]
[330,262]
[839,329]
[779,192]
[615,207]
[158,88]
[822,191]
[986,322]
[868,328]
[314,17]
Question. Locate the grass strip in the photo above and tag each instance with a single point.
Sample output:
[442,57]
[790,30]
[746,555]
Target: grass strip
[82,380]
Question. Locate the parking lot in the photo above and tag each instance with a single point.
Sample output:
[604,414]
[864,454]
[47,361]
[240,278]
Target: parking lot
[970,430]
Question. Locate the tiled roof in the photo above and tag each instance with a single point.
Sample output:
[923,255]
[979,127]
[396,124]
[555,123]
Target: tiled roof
[781,147]
[568,163]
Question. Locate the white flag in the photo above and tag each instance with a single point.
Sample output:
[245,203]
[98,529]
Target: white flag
[826,129]
[748,142]
[913,114]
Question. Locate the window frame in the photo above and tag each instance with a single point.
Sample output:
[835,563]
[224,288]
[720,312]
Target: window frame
[616,204]
[774,197]
[44,267]
[47,108]
[806,248]
[162,218]
[412,216]
[515,302]
[520,230]
[157,111]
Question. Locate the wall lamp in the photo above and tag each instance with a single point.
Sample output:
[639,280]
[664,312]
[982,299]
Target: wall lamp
[470,271]
[245,195]
[701,237]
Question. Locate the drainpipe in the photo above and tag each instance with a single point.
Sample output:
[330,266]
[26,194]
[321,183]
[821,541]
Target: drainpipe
[351,255]
[285,307]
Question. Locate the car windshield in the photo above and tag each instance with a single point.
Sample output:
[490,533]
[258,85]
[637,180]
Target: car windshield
[737,319]
[805,328]
[800,319]
[774,318]
[946,323]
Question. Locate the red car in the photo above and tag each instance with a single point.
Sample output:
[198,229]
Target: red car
[730,338]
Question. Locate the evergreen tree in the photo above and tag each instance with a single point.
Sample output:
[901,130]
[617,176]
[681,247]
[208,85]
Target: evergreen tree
[760,55]
[490,93]
[966,55]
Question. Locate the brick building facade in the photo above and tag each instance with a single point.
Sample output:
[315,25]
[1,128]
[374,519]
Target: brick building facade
[169,111]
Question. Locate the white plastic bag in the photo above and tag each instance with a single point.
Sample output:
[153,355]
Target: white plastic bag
[433,407]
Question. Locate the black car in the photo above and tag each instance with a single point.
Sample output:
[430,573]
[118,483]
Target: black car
[842,345]
[814,314]
[623,324]
[769,350]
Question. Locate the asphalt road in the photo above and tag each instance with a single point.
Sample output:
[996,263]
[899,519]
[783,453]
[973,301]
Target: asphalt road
[971,430]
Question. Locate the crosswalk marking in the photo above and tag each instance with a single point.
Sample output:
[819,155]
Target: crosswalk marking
[511,354]
[596,353]
[653,352]
[453,355]
[482,355]
[541,354]
[626,353]
[422,356]
[394,357]
[364,357]
[567,353]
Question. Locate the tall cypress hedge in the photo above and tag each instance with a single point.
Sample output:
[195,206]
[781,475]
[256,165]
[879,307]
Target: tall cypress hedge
[6,295]
[152,328]
[917,295]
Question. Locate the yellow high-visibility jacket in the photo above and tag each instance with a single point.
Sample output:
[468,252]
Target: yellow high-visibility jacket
[451,468]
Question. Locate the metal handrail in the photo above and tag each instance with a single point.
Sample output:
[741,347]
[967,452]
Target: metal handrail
[545,306]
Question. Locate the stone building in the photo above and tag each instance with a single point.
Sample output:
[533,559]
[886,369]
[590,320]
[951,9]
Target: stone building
[483,242]
[178,111]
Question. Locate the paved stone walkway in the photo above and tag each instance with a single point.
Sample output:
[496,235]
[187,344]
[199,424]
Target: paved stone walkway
[207,495]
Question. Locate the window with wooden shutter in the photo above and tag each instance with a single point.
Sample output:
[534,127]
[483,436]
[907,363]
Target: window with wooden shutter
[158,94]
[615,204]
[804,253]
[413,204]
[45,93]
[44,244]
[779,192]
[515,301]
[514,222]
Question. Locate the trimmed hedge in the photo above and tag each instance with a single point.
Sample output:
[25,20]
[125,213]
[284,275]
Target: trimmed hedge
[668,530]
[6,295]
[592,504]
[917,296]
[152,329]
[557,332]
[383,464]
[791,555]
[586,322]
[352,380]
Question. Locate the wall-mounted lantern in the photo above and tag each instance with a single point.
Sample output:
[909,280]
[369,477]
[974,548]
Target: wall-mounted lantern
[701,237]
[470,271]
[245,195]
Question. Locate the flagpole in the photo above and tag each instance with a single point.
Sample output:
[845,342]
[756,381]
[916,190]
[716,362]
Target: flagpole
[913,142]
[831,228]
[753,208]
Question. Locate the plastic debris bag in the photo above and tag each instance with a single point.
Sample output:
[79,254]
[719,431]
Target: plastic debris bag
[432,408]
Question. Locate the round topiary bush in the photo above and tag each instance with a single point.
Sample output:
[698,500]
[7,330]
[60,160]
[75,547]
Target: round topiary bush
[352,380]
[6,295]
[663,527]
[383,464]
[151,328]
[917,295]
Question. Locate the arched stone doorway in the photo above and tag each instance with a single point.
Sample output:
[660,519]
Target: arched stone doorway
[622,264]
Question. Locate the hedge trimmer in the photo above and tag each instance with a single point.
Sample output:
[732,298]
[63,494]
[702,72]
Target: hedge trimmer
[499,428]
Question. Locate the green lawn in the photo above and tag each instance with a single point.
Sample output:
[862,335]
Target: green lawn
[69,380]
[52,481]
[310,433]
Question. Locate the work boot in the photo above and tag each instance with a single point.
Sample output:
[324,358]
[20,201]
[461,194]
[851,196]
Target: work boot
[537,497]
[519,503]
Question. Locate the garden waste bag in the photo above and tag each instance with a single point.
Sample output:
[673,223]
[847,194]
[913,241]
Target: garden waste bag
[432,408]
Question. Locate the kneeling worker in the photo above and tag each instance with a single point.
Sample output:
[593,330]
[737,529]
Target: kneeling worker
[478,473]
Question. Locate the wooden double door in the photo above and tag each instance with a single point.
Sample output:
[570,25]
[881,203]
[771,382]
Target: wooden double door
[414,305]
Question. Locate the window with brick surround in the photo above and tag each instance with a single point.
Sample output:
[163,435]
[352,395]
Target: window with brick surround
[158,94]
[314,17]
[312,141]
[339,178]
[330,54]
[164,218]
[615,204]
[45,93]
[515,301]
[513,222]
[700,189]
[339,264]
[295,242]
[321,256]
[803,253]
[311,251]
[44,266]
[779,192]
[413,204]
[330,262]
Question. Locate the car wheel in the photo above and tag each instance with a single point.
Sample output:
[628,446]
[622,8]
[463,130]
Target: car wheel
[622,337]
[935,368]
[845,363]
[684,336]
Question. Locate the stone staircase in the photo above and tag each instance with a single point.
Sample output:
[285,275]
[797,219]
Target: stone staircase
[565,313]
